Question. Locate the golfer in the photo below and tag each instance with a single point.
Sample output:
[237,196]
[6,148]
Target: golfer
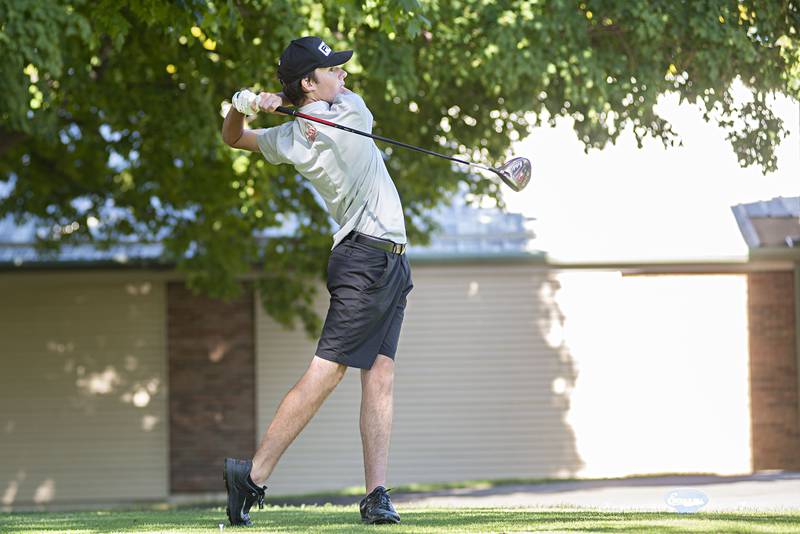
[368,273]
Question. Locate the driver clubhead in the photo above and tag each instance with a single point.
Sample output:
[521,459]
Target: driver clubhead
[516,173]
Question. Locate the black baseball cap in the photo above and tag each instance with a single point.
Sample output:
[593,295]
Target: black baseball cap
[304,55]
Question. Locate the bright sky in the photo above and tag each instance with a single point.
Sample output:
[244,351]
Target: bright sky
[654,203]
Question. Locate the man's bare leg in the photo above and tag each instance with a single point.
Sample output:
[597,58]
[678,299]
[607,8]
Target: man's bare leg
[294,412]
[377,386]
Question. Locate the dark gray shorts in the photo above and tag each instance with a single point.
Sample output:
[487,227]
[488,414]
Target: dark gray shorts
[368,288]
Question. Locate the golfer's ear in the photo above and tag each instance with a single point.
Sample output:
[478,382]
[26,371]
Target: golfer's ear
[247,141]
[307,84]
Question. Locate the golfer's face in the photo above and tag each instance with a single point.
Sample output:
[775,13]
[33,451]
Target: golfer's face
[330,80]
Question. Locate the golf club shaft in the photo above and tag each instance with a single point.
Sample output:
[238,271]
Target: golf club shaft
[290,111]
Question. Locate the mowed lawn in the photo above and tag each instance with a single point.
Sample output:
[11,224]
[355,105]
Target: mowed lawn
[331,519]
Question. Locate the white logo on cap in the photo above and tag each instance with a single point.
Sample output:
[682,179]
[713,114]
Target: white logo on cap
[325,49]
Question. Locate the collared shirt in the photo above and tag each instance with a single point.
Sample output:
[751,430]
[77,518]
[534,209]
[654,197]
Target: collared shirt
[346,169]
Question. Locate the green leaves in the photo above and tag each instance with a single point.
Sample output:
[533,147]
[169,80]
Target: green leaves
[117,104]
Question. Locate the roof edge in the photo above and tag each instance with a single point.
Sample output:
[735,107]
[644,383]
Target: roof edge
[746,226]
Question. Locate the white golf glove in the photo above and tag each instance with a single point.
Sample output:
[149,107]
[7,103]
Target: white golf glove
[245,102]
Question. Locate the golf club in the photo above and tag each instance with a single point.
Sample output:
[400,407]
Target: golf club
[515,173]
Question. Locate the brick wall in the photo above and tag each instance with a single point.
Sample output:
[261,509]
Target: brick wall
[775,419]
[211,386]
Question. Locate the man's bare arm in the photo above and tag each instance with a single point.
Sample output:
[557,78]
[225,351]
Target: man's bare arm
[233,127]
[235,134]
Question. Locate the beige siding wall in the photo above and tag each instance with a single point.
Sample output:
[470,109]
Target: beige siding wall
[472,392]
[82,388]
[511,371]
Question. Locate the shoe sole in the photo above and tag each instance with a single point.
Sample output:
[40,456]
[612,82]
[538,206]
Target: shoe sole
[228,491]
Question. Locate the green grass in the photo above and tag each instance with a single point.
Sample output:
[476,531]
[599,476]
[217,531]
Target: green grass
[334,519]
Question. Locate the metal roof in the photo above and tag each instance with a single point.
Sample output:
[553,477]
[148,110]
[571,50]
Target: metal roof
[779,207]
[466,232]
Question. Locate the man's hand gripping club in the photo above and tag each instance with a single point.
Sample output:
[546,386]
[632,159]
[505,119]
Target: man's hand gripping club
[249,104]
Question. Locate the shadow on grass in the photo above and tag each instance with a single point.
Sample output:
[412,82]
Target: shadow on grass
[481,488]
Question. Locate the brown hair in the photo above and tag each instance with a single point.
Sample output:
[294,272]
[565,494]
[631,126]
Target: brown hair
[294,90]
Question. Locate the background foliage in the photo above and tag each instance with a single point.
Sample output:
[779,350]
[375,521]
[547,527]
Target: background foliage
[110,111]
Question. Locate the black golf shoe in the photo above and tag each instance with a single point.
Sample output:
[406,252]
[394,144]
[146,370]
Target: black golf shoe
[376,508]
[242,493]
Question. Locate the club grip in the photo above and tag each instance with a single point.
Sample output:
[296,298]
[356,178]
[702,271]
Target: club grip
[285,110]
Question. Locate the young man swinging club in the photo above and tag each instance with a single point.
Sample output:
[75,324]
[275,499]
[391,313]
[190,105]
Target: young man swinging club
[368,273]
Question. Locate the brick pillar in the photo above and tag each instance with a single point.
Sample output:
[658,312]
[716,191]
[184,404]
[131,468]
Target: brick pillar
[775,417]
[211,350]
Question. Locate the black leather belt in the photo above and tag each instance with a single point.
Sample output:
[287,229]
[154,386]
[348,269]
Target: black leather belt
[375,242]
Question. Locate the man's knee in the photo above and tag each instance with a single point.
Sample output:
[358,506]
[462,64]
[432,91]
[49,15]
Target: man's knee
[384,366]
[331,373]
[381,375]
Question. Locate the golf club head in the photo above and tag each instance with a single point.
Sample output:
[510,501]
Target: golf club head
[516,173]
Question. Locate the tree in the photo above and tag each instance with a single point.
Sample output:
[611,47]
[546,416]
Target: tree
[118,104]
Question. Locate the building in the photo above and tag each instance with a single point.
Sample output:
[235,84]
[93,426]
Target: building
[119,385]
